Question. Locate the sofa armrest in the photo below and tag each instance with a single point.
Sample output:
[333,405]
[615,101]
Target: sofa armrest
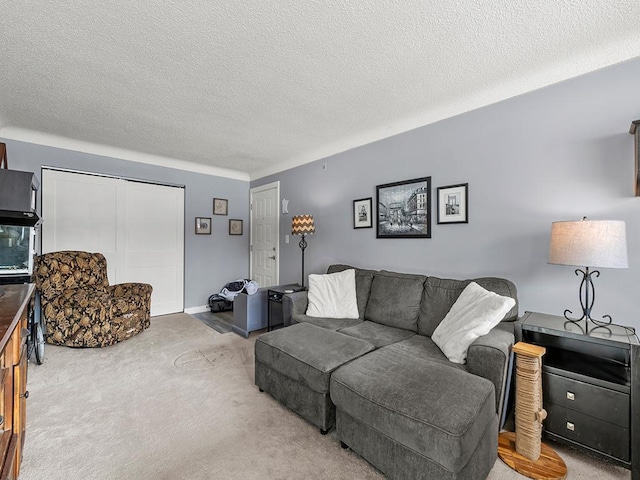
[488,357]
[293,304]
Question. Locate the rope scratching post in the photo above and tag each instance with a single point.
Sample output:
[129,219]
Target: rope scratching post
[524,450]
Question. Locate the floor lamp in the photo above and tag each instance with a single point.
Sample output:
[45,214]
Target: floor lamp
[302,225]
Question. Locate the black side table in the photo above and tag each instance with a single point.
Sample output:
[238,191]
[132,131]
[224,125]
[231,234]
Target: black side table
[274,301]
[591,386]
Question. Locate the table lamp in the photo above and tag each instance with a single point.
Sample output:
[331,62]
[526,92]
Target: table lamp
[302,225]
[588,243]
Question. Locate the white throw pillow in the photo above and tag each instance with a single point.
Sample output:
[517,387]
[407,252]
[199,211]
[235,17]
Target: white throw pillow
[333,295]
[475,313]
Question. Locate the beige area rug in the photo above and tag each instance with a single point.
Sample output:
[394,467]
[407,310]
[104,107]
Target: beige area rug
[178,402]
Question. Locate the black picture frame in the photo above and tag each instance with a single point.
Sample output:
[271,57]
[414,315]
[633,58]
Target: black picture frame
[404,209]
[363,213]
[235,226]
[220,206]
[203,225]
[453,204]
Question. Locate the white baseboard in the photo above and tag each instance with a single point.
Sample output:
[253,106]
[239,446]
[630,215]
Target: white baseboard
[200,309]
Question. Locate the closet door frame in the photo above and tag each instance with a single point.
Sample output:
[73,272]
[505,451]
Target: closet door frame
[107,205]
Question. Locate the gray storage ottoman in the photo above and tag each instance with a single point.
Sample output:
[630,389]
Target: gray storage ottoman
[294,365]
[416,419]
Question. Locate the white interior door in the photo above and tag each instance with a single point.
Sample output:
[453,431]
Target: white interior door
[265,225]
[138,227]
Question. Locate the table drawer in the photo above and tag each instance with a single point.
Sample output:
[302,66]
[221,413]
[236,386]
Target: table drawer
[592,432]
[597,402]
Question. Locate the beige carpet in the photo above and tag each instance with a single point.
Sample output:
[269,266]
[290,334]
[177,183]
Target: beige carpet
[178,402]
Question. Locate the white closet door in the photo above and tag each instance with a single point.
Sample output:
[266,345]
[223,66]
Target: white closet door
[138,227]
[80,212]
[154,243]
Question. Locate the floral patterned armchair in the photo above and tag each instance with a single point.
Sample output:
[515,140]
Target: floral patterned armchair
[79,306]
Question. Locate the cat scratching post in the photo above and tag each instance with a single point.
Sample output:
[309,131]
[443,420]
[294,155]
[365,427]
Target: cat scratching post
[524,450]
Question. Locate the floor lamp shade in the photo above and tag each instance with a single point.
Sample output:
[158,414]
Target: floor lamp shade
[589,243]
[302,225]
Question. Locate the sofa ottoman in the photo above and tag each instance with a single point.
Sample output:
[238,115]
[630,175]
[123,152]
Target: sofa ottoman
[294,365]
[414,418]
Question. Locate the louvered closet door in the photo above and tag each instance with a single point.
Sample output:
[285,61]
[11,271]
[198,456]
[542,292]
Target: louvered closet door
[138,227]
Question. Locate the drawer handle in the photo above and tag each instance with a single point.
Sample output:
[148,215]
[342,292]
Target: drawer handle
[571,396]
[571,426]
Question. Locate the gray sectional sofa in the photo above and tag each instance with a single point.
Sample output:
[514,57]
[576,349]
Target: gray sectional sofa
[393,396]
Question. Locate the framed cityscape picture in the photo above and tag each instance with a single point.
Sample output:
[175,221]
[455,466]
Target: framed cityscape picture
[362,214]
[404,209]
[453,204]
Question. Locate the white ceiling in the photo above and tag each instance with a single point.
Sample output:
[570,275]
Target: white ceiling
[245,88]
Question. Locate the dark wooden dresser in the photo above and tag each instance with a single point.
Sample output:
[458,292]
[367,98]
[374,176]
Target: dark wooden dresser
[591,386]
[16,302]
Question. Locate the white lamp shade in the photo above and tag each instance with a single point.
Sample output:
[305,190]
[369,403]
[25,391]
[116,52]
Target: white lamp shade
[589,243]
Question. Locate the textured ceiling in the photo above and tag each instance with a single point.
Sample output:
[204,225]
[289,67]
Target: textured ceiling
[248,88]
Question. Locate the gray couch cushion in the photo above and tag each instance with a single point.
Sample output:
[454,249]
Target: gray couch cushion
[436,410]
[364,278]
[423,347]
[441,293]
[334,324]
[308,354]
[376,334]
[395,299]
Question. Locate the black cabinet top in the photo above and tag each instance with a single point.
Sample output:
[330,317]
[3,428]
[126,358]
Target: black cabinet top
[613,335]
[294,287]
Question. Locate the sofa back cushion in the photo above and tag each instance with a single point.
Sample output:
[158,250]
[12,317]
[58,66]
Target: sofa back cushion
[395,299]
[441,293]
[364,278]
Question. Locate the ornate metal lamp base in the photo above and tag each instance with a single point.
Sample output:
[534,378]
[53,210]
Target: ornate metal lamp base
[587,298]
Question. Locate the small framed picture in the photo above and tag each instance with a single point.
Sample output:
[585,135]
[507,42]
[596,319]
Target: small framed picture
[203,226]
[220,206]
[362,213]
[235,227]
[453,204]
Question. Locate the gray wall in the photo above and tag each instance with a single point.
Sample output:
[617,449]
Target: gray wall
[210,260]
[554,154]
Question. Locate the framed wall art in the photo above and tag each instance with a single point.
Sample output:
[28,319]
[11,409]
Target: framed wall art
[220,206]
[453,204]
[235,227]
[203,226]
[404,209]
[362,214]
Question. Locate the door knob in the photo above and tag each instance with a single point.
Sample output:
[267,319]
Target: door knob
[273,257]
